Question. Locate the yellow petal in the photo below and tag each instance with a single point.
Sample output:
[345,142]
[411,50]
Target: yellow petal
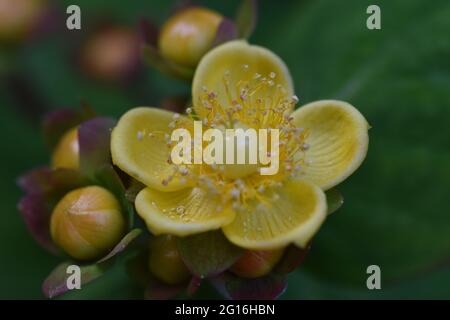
[181,213]
[139,147]
[238,62]
[337,141]
[289,214]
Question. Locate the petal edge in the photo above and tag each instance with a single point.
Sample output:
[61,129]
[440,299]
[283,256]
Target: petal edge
[180,213]
[294,217]
[337,141]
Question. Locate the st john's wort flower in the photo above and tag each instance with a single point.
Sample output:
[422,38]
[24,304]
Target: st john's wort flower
[240,85]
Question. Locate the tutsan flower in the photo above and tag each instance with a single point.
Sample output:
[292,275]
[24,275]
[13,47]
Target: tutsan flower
[245,86]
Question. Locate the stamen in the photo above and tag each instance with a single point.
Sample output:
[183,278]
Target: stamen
[256,101]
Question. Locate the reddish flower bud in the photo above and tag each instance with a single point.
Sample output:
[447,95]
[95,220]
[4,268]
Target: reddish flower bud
[111,54]
[254,264]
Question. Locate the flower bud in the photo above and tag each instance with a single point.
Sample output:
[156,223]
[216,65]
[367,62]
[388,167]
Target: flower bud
[19,17]
[188,35]
[111,54]
[87,223]
[254,264]
[165,262]
[67,152]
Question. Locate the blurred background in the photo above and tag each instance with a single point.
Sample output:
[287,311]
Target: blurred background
[396,212]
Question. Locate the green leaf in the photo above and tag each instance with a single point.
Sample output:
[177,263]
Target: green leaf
[208,254]
[122,245]
[246,18]
[269,287]
[56,283]
[94,140]
[292,258]
[58,122]
[108,178]
[154,59]
[396,209]
[335,200]
[133,189]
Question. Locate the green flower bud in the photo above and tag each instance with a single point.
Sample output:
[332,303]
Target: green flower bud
[87,223]
[165,262]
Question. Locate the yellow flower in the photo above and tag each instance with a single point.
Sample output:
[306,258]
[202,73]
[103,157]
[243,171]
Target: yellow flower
[241,85]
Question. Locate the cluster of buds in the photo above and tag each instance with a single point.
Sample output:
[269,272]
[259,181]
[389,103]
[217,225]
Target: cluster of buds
[81,207]
[76,207]
[169,267]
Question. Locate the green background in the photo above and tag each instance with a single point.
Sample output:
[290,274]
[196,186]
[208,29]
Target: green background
[396,206]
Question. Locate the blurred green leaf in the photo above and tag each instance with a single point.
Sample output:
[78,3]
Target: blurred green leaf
[395,213]
[246,18]
[269,287]
[335,200]
[93,138]
[56,282]
[154,59]
[122,245]
[107,177]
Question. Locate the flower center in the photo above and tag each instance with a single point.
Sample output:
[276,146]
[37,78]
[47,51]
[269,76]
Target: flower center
[242,147]
[258,102]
